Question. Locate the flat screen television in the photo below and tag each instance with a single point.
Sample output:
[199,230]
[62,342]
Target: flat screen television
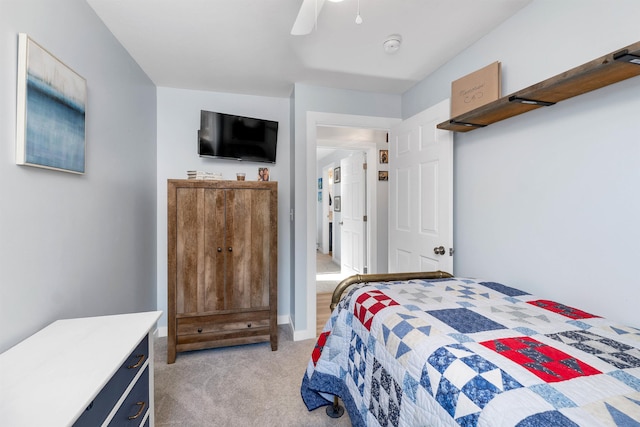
[226,136]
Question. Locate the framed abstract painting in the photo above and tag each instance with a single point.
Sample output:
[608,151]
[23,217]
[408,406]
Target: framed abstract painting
[52,101]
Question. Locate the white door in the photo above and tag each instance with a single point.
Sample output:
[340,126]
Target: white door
[352,201]
[421,193]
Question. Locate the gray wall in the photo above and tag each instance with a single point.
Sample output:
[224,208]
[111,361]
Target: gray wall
[77,245]
[549,201]
[178,124]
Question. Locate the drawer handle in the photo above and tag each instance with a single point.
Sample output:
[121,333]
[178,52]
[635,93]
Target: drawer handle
[248,325]
[199,330]
[142,405]
[141,358]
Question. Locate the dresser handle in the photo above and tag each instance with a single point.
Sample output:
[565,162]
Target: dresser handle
[141,358]
[142,405]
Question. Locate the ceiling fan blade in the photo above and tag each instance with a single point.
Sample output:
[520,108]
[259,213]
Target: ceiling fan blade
[307,15]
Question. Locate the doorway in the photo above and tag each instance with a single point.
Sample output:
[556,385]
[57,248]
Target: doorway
[316,122]
[335,256]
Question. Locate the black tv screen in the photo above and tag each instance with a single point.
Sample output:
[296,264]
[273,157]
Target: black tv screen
[235,137]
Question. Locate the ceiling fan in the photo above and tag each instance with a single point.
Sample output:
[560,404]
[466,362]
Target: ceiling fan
[308,16]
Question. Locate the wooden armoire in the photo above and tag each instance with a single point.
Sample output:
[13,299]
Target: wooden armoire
[222,264]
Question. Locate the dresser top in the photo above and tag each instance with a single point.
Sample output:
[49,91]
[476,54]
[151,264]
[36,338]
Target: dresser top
[51,377]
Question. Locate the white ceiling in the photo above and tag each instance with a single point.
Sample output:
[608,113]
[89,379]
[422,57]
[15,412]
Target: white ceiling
[245,46]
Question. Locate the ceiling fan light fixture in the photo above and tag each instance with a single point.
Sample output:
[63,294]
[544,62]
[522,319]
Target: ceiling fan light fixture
[392,43]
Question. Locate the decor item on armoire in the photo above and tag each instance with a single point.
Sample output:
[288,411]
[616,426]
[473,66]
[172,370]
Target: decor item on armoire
[263,174]
[222,264]
[50,129]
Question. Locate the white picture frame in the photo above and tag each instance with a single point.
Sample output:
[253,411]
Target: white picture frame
[51,111]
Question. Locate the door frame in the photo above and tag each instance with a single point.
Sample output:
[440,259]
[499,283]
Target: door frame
[315,119]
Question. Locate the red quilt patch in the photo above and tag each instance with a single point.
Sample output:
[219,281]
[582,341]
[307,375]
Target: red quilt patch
[370,303]
[562,309]
[546,362]
[317,350]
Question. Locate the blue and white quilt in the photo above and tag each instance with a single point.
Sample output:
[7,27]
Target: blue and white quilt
[461,352]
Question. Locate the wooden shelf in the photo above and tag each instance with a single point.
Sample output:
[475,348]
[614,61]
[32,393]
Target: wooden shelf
[604,71]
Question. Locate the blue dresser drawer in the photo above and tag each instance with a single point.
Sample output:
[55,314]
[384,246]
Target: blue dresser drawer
[135,406]
[99,409]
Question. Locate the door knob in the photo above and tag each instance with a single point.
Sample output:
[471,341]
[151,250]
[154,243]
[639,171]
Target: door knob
[439,250]
[231,249]
[219,249]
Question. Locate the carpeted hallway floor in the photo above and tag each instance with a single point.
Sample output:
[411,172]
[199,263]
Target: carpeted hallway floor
[328,276]
[328,273]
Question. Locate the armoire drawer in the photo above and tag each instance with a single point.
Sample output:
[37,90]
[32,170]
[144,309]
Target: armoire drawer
[222,322]
[101,406]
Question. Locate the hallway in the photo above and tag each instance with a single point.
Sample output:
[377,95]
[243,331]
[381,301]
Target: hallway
[328,273]
[328,276]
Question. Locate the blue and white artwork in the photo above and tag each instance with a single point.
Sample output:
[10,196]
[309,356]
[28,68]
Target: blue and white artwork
[51,111]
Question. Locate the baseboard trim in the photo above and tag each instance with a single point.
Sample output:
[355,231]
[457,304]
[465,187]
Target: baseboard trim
[284,319]
[304,334]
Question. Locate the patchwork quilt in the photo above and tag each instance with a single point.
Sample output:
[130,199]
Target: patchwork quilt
[461,352]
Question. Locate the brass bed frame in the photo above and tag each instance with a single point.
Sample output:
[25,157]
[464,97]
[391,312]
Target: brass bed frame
[336,410]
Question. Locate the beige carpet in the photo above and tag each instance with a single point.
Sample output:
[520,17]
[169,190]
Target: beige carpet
[245,385]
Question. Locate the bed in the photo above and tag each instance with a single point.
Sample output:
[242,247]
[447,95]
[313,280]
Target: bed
[428,349]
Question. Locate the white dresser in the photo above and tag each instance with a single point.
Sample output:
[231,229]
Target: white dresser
[81,372]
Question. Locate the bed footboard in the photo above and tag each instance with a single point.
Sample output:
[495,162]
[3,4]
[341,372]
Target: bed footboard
[382,277]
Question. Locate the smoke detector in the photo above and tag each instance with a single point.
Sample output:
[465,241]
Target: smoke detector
[392,43]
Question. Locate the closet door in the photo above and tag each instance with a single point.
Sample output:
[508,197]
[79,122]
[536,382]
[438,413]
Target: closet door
[249,237]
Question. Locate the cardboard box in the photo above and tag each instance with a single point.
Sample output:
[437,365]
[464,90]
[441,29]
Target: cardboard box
[476,89]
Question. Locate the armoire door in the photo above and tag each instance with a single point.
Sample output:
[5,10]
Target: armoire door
[199,244]
[249,237]
[189,240]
